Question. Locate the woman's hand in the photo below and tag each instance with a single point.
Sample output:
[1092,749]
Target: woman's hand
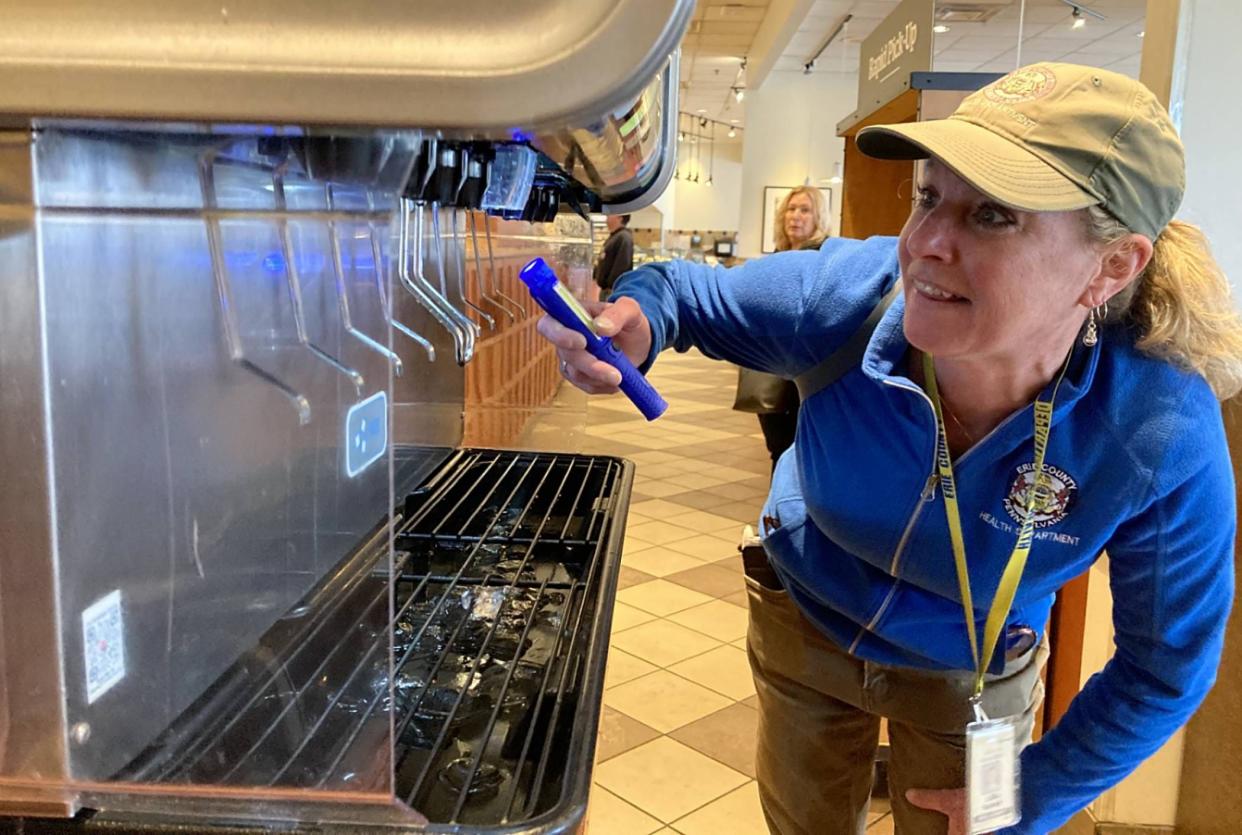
[623,321]
[949,802]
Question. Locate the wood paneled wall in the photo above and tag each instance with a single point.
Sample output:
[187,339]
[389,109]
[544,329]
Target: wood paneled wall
[514,373]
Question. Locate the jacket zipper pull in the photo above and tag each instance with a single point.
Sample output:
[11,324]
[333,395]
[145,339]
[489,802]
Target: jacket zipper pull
[929,489]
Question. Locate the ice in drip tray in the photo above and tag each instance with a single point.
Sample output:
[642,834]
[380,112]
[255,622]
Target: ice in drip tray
[470,682]
[487,778]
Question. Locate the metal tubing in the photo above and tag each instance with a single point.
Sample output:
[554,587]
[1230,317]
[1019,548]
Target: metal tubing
[487,231]
[478,270]
[224,292]
[442,269]
[295,284]
[419,289]
[377,255]
[459,260]
[342,295]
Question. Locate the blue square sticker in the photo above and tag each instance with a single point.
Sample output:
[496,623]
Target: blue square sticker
[366,433]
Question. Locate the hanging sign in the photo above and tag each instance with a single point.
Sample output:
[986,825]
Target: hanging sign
[899,46]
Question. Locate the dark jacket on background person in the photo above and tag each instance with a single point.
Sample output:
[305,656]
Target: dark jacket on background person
[617,258]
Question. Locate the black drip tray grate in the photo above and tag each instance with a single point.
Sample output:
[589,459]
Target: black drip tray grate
[502,574]
[501,560]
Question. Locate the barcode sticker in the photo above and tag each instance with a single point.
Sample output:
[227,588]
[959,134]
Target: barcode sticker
[103,645]
[992,775]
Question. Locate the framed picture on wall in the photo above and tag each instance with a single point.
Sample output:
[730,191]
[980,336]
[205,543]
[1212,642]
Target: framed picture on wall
[772,198]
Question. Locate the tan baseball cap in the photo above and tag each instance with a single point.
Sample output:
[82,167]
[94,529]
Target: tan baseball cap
[1055,137]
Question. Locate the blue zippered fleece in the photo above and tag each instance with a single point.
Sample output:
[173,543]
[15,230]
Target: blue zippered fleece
[1139,461]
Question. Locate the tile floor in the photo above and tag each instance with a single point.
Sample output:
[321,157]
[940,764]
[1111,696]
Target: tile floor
[676,742]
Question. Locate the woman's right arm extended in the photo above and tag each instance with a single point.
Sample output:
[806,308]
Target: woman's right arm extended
[781,313]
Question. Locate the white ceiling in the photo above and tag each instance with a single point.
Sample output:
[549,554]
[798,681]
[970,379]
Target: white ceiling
[720,35]
[723,31]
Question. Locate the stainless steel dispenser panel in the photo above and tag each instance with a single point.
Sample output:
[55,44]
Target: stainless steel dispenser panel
[470,64]
[168,474]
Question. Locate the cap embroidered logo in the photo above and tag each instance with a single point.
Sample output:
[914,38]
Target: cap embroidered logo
[1022,85]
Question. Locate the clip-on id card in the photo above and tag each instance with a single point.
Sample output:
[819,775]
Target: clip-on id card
[992,775]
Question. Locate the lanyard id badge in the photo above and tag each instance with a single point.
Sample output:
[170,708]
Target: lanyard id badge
[992,745]
[992,775]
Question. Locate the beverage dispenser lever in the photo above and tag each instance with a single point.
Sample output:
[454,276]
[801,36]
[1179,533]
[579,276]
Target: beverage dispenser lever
[224,292]
[459,262]
[491,261]
[417,285]
[412,277]
[295,284]
[460,267]
[342,292]
[377,256]
[442,270]
[478,271]
[459,249]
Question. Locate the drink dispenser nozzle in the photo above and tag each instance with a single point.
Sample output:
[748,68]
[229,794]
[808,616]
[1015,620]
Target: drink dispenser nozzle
[224,292]
[459,248]
[411,248]
[470,198]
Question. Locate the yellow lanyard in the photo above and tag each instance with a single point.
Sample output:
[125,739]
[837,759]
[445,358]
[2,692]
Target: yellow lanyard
[1008,587]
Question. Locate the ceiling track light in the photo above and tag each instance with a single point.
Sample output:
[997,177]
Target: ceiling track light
[739,93]
[809,63]
[690,125]
[711,150]
[1080,13]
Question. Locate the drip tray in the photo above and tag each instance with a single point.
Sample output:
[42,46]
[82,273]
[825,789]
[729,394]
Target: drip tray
[480,644]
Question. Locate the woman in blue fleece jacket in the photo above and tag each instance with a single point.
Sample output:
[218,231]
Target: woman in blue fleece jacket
[1041,274]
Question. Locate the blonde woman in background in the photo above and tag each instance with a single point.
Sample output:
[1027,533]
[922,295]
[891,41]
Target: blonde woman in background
[802,220]
[801,223]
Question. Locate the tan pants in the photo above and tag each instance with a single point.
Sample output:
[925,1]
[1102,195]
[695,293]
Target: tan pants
[819,721]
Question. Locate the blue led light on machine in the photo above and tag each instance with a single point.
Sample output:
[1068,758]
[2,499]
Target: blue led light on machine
[552,296]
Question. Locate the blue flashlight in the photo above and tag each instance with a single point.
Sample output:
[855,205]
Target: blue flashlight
[552,296]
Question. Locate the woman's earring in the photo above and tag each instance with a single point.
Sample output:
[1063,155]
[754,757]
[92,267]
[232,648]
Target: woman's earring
[1092,335]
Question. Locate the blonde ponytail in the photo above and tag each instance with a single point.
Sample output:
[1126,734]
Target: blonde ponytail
[1181,304]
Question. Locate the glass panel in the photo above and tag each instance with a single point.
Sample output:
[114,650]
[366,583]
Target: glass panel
[203,381]
[515,398]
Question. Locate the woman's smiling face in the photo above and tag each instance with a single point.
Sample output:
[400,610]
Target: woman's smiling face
[981,279]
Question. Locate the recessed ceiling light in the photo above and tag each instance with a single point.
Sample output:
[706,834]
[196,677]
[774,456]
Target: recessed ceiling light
[701,110]
[1141,34]
[736,121]
[940,28]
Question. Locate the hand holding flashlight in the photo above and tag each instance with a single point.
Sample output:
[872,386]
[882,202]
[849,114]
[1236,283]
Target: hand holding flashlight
[564,309]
